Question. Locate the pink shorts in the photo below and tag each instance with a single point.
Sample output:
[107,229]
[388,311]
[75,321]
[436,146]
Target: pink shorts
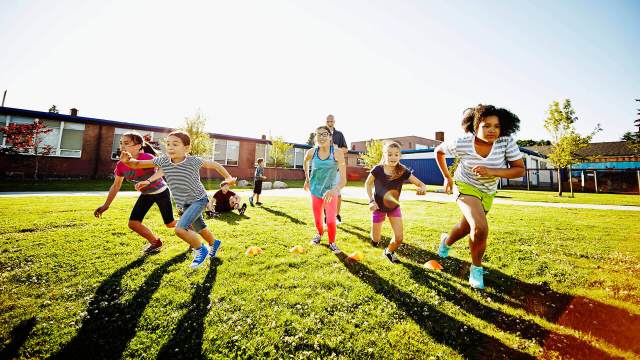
[378,216]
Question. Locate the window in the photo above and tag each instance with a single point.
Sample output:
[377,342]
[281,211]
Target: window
[65,138]
[261,151]
[115,147]
[226,152]
[299,161]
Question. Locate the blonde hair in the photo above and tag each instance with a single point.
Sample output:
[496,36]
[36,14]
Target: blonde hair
[399,169]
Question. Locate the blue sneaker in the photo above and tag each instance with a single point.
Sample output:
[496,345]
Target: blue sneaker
[476,279]
[199,256]
[215,248]
[443,250]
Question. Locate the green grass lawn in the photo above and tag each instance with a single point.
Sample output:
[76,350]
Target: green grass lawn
[561,283]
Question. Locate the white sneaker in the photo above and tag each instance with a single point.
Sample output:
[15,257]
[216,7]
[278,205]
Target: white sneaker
[316,239]
[334,248]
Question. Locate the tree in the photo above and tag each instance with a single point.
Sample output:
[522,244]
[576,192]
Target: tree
[529,142]
[373,155]
[200,139]
[565,140]
[279,153]
[311,141]
[27,139]
[53,109]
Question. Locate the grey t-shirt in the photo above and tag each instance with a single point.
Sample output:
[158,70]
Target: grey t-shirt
[183,178]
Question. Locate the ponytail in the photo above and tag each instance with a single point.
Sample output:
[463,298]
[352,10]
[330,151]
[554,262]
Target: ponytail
[139,139]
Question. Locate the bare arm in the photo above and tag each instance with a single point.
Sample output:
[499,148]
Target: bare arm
[342,168]
[515,171]
[305,165]
[422,188]
[442,165]
[126,159]
[113,191]
[144,183]
[209,164]
[368,185]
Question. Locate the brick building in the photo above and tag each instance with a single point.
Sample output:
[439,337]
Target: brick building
[406,142]
[88,148]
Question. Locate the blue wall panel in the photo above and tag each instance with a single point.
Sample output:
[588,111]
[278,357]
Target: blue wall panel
[426,170]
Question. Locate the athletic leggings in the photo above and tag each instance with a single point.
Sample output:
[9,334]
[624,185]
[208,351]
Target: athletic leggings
[332,209]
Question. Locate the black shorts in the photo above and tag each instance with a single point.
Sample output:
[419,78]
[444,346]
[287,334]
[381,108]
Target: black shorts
[144,203]
[257,187]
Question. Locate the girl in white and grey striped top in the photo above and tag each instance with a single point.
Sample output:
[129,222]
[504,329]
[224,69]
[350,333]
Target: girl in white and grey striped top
[486,154]
[183,177]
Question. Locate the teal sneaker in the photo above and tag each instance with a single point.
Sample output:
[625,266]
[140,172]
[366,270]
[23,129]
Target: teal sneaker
[199,256]
[215,248]
[443,250]
[476,279]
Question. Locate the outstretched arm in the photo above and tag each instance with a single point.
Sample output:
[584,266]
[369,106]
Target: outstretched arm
[209,164]
[422,188]
[113,191]
[144,183]
[128,160]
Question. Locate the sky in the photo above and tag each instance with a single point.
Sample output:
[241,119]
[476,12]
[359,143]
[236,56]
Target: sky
[278,68]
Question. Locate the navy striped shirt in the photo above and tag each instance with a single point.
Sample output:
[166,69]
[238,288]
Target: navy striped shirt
[504,149]
[183,178]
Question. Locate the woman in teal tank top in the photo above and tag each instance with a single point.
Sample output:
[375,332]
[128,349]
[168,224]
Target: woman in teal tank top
[325,161]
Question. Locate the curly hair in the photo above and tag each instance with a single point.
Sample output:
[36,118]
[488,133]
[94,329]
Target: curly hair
[509,122]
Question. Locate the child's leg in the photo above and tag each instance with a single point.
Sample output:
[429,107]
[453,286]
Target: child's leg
[257,197]
[475,215]
[139,211]
[458,231]
[208,236]
[331,208]
[192,215]
[377,218]
[317,204]
[398,233]
[163,200]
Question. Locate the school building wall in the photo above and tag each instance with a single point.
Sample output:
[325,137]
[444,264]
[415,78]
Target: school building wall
[95,154]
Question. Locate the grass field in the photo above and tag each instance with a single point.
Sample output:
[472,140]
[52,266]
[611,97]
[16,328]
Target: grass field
[561,283]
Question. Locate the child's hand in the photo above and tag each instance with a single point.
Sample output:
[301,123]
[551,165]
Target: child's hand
[264,178]
[142,184]
[422,190]
[330,195]
[481,170]
[373,206]
[306,185]
[448,185]
[125,156]
[98,212]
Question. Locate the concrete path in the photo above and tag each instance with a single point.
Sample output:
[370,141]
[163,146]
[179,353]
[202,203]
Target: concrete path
[350,192]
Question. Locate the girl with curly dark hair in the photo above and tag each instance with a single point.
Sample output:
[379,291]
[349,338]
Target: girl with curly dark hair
[486,154]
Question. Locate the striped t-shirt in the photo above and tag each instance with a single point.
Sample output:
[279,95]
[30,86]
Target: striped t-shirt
[504,149]
[183,178]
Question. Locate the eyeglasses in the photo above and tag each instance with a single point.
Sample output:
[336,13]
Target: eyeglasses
[323,134]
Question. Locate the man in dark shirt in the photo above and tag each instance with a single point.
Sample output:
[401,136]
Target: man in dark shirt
[340,142]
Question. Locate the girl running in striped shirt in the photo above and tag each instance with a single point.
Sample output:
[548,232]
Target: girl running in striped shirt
[183,176]
[484,155]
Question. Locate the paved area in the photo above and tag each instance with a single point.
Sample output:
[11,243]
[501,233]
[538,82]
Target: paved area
[350,192]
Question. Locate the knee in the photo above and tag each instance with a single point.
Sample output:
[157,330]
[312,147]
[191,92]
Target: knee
[480,232]
[181,232]
[133,224]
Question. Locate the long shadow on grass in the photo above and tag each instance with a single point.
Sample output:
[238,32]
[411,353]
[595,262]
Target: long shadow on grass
[283,214]
[231,217]
[19,335]
[614,325]
[568,346]
[186,342]
[110,323]
[443,328]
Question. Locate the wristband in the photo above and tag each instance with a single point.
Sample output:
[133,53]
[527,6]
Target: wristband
[372,201]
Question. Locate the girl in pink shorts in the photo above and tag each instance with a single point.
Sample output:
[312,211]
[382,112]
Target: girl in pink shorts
[384,185]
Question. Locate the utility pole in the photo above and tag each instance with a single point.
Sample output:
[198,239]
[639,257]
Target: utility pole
[4,96]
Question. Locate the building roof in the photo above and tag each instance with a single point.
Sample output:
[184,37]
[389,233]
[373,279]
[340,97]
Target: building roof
[122,124]
[610,148]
